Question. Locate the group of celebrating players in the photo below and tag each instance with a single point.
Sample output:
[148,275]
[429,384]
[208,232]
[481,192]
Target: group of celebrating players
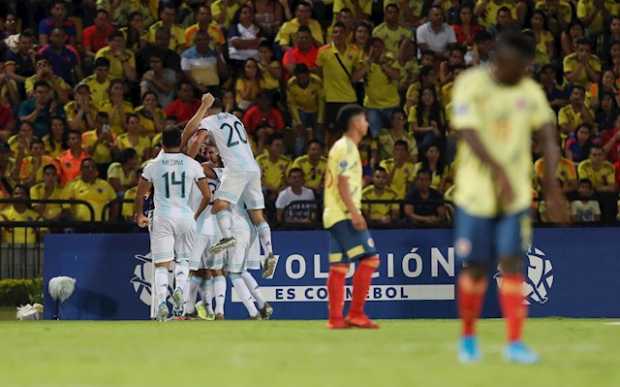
[497,109]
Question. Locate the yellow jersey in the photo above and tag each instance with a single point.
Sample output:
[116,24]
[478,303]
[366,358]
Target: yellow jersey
[390,37]
[116,63]
[124,142]
[307,100]
[401,176]
[343,160]
[571,62]
[97,194]
[273,173]
[504,118]
[127,209]
[37,192]
[102,154]
[336,82]
[313,173]
[604,175]
[98,91]
[20,235]
[378,212]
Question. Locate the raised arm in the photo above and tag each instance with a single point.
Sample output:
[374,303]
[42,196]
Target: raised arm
[192,125]
[144,186]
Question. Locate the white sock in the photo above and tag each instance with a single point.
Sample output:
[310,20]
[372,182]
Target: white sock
[161,282]
[219,288]
[264,234]
[224,220]
[209,292]
[254,288]
[244,294]
[192,293]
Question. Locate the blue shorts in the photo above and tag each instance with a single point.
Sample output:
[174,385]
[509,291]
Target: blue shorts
[347,244]
[484,240]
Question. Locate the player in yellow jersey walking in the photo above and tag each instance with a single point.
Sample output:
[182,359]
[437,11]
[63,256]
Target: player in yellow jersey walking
[496,110]
[350,240]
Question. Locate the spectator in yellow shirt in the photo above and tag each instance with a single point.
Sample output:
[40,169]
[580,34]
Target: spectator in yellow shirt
[122,60]
[397,131]
[433,162]
[400,169]
[30,168]
[82,112]
[379,213]
[381,97]
[224,11]
[313,164]
[122,174]
[167,19]
[133,138]
[593,13]
[100,143]
[204,21]
[48,189]
[273,165]
[390,31]
[565,172]
[55,141]
[93,190]
[571,116]
[19,212]
[340,64]
[116,107]
[303,17]
[99,82]
[599,171]
[306,103]
[582,67]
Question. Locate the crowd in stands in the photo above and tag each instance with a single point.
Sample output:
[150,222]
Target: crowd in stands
[86,87]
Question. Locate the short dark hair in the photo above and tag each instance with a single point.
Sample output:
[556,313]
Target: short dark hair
[295,170]
[73,131]
[339,24]
[483,36]
[116,34]
[401,143]
[274,137]
[392,5]
[585,41]
[102,62]
[131,115]
[126,155]
[380,169]
[304,3]
[578,87]
[304,29]
[301,68]
[424,171]
[586,181]
[346,113]
[171,138]
[35,140]
[41,83]
[518,41]
[315,141]
[47,167]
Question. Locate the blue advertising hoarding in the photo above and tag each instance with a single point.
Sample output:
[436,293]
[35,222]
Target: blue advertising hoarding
[570,272]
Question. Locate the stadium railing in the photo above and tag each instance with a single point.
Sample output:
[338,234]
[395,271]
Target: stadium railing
[21,250]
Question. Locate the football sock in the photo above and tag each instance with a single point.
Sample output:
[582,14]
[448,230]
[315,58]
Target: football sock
[511,301]
[470,298]
[244,294]
[335,290]
[190,301]
[254,289]
[219,287]
[361,284]
[161,282]
[209,293]
[224,220]
[181,274]
[264,234]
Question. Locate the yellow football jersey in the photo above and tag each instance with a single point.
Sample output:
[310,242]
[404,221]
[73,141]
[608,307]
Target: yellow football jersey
[504,118]
[343,159]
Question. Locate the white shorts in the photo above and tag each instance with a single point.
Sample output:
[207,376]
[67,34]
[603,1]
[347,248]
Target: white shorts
[235,259]
[171,237]
[241,187]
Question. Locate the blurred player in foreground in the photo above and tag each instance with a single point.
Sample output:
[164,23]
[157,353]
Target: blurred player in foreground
[241,182]
[496,110]
[172,175]
[342,217]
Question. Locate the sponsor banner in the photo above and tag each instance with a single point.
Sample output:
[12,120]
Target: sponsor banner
[570,272]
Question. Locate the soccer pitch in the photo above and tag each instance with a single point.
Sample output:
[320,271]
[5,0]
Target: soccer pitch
[582,353]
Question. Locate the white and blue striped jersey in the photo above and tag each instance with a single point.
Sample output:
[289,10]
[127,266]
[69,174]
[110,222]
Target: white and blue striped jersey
[173,176]
[206,221]
[232,141]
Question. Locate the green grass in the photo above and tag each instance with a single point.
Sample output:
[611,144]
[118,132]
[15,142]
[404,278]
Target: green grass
[580,353]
